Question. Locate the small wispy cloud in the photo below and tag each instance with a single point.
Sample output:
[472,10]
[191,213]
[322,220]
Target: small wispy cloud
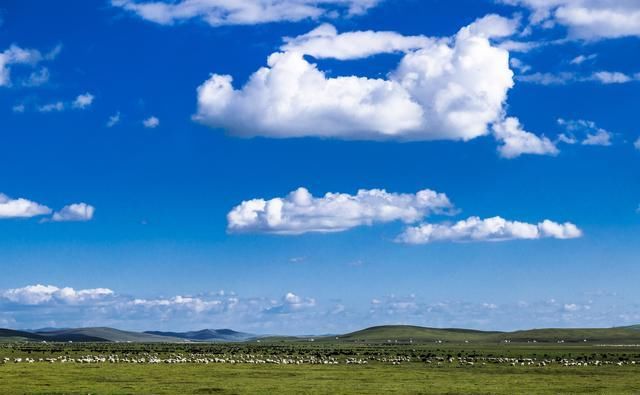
[113,120]
[584,131]
[83,101]
[151,123]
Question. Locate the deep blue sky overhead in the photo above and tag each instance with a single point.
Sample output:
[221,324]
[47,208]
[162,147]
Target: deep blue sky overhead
[131,175]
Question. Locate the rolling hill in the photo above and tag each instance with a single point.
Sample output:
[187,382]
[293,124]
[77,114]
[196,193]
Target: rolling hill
[208,335]
[109,335]
[416,334]
[13,335]
[378,334]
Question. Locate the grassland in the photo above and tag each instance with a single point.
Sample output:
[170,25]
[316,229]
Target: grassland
[448,368]
[411,378]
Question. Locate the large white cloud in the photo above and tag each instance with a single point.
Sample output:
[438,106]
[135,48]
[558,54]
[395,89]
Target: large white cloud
[516,141]
[240,12]
[587,19]
[452,88]
[43,294]
[490,229]
[300,212]
[20,208]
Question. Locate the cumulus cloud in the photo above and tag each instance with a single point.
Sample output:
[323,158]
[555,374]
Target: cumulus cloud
[590,133]
[637,144]
[451,88]
[20,208]
[247,12]
[44,294]
[490,229]
[151,122]
[77,212]
[300,212]
[83,101]
[516,141]
[586,19]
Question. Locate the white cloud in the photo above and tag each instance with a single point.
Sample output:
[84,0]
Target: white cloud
[113,120]
[608,77]
[300,212]
[449,89]
[565,77]
[520,46]
[519,65]
[20,208]
[637,144]
[48,305]
[77,212]
[37,78]
[151,122]
[19,108]
[561,78]
[583,58]
[516,141]
[44,294]
[593,135]
[600,137]
[325,42]
[246,12]
[587,19]
[195,304]
[16,55]
[490,229]
[83,101]
[52,107]
[292,303]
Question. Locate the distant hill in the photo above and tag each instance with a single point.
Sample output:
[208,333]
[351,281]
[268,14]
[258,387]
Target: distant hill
[209,335]
[417,334]
[378,334]
[405,334]
[108,335]
[12,335]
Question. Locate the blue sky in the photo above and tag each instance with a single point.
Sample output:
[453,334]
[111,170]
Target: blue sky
[151,154]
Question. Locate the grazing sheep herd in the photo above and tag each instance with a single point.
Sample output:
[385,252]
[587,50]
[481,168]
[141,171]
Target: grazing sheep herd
[259,359]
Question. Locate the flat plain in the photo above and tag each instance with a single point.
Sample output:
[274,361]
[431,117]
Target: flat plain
[319,367]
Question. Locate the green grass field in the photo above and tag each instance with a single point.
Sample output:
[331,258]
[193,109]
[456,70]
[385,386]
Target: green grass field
[453,368]
[239,379]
